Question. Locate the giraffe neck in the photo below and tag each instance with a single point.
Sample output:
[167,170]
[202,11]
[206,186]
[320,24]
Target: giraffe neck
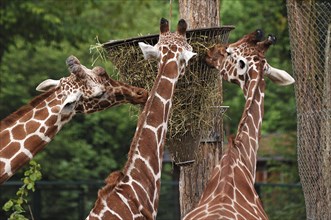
[230,189]
[146,154]
[230,192]
[140,178]
[26,132]
[249,128]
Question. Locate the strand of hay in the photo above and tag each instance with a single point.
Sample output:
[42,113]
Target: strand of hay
[98,52]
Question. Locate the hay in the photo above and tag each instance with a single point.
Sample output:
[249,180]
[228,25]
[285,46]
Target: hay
[98,52]
[196,92]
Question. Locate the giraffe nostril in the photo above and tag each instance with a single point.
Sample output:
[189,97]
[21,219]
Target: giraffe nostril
[140,93]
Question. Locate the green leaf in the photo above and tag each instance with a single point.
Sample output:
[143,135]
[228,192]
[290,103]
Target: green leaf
[30,186]
[17,216]
[33,163]
[20,201]
[26,181]
[7,206]
[38,175]
[18,208]
[20,192]
[33,177]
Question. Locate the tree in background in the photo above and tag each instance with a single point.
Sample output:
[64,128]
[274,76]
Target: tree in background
[206,155]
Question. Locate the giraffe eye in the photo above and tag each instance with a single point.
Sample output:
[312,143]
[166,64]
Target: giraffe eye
[241,64]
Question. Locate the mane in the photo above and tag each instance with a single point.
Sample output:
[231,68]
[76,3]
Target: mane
[10,119]
[231,140]
[231,146]
[111,181]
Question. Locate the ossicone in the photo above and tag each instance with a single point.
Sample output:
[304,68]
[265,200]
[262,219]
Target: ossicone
[181,27]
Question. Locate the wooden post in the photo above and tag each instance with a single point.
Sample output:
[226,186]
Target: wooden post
[200,14]
[193,177]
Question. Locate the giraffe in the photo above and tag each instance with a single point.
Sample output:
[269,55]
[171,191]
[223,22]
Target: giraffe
[133,193]
[25,132]
[230,193]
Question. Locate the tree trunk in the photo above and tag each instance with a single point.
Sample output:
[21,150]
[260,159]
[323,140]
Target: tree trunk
[200,14]
[193,177]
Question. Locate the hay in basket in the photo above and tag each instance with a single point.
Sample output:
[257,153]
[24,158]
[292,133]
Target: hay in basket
[197,92]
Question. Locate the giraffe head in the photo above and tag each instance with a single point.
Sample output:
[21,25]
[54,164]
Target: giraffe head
[244,61]
[90,90]
[170,47]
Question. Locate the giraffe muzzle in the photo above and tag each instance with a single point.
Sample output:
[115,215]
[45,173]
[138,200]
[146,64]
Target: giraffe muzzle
[141,96]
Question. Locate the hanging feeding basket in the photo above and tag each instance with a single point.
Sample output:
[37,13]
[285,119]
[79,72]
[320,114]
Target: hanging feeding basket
[196,92]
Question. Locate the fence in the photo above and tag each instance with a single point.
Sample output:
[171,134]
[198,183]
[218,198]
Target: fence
[73,200]
[310,27]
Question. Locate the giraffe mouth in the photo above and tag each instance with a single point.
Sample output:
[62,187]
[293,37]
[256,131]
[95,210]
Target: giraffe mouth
[70,104]
[138,96]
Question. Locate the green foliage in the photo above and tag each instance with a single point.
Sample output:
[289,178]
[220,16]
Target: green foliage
[15,206]
[286,203]
[89,147]
[31,21]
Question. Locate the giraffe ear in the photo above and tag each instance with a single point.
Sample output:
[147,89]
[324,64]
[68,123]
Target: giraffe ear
[149,51]
[280,77]
[47,84]
[187,55]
